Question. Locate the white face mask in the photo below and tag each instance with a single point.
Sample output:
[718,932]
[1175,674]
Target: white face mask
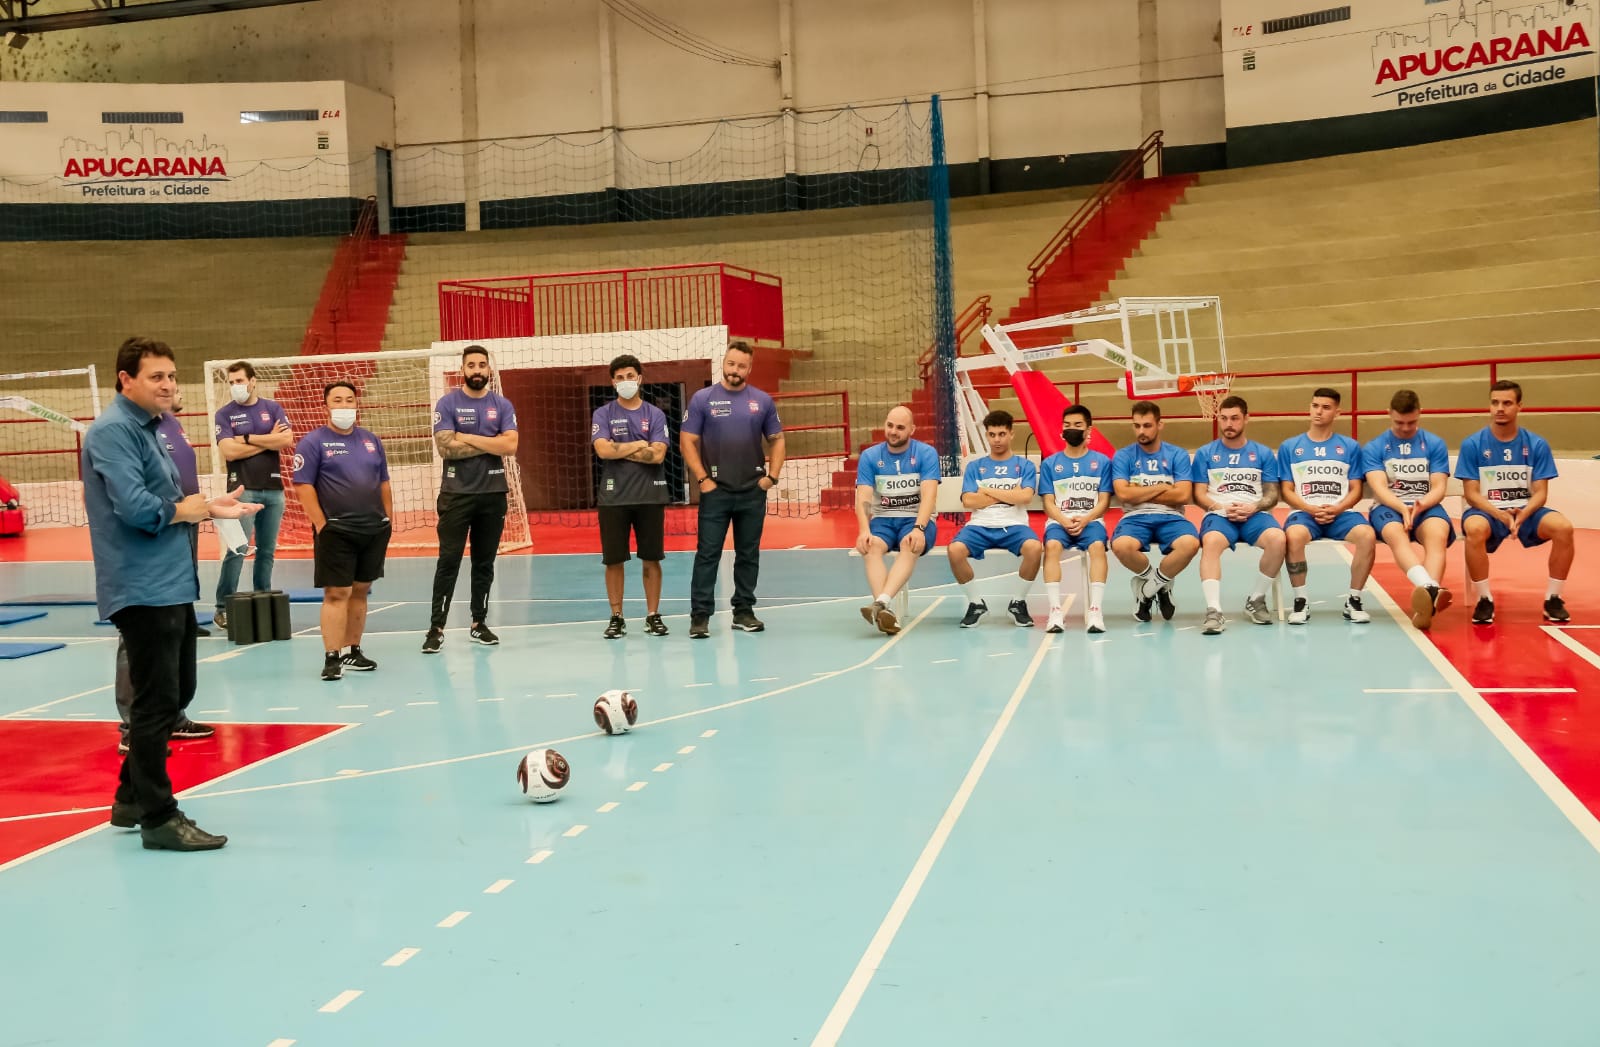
[343,417]
[240,393]
[627,390]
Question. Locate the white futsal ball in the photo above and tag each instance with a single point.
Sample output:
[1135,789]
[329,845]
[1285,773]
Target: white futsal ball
[543,773]
[615,712]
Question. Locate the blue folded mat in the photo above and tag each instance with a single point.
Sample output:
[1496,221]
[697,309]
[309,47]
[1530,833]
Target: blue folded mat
[51,600]
[22,650]
[13,617]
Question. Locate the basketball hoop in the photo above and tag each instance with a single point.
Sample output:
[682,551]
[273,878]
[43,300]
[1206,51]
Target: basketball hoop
[1209,389]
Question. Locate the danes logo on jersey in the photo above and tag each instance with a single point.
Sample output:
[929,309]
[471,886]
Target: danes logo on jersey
[491,414]
[371,447]
[755,408]
[266,417]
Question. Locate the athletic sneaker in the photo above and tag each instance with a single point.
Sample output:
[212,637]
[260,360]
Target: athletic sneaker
[1353,611]
[1141,613]
[1300,613]
[1215,622]
[1256,610]
[355,660]
[331,667]
[870,612]
[746,619]
[1483,614]
[699,628]
[433,641]
[1018,609]
[1164,599]
[616,627]
[654,625]
[481,633]
[187,728]
[974,612]
[1094,621]
[887,621]
[1057,622]
[1555,610]
[220,619]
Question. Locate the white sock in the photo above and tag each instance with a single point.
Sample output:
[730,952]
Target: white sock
[1355,594]
[971,589]
[884,598]
[1212,588]
[1554,587]
[1097,592]
[1166,583]
[1300,593]
[1419,577]
[1052,591]
[1023,585]
[1480,590]
[1263,585]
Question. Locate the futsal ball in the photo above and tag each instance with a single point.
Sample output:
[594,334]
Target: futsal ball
[615,712]
[542,774]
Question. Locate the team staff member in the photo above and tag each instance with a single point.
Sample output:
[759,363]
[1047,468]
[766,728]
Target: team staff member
[732,444]
[629,437]
[474,428]
[341,475]
[141,531]
[250,432]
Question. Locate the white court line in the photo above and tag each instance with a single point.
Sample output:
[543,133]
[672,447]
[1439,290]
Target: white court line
[861,977]
[538,857]
[563,694]
[1555,632]
[688,685]
[636,786]
[340,1002]
[498,886]
[58,701]
[453,919]
[709,733]
[350,707]
[491,699]
[607,808]
[400,957]
[576,830]
[686,750]
[946,661]
[283,709]
[280,1042]
[883,668]
[1408,690]
[385,712]
[1001,654]
[423,703]
[658,768]
[225,655]
[763,679]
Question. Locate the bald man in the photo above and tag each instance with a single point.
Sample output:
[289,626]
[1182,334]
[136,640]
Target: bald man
[897,484]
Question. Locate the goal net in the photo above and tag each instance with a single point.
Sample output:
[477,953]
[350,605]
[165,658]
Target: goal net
[42,418]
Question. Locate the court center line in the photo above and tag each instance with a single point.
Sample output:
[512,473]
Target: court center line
[861,977]
[453,919]
[1558,634]
[400,957]
[340,1002]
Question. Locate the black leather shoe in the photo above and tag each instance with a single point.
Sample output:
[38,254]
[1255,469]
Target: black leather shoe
[124,815]
[178,833]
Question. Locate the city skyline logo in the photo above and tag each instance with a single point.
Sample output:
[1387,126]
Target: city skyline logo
[1420,62]
[140,154]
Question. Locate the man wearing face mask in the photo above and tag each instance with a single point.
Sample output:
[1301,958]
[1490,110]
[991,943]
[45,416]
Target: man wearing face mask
[251,430]
[341,475]
[474,428]
[629,437]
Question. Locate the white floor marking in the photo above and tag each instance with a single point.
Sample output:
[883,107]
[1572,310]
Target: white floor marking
[497,886]
[861,977]
[385,712]
[400,957]
[212,712]
[883,668]
[576,830]
[563,694]
[946,661]
[281,1043]
[658,768]
[1001,654]
[607,808]
[225,655]
[538,857]
[1408,690]
[710,733]
[350,707]
[453,919]
[423,703]
[353,770]
[491,699]
[339,1002]
[763,679]
[1558,634]
[635,787]
[58,701]
[697,685]
[686,750]
[283,709]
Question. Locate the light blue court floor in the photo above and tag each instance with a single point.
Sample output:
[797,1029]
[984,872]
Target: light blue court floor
[818,834]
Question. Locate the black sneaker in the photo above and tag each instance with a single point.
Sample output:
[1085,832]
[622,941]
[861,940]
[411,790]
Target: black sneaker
[1483,613]
[482,634]
[358,662]
[1141,611]
[746,619]
[1555,610]
[433,641]
[699,627]
[1164,599]
[332,669]
[974,612]
[187,728]
[1018,609]
[616,627]
[654,625]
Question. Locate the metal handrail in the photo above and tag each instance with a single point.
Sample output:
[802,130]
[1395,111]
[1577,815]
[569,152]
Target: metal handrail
[1130,170]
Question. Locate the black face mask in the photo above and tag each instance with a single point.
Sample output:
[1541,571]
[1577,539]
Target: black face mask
[1074,437]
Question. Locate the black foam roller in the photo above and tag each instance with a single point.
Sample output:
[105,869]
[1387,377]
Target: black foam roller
[281,629]
[261,604]
[241,618]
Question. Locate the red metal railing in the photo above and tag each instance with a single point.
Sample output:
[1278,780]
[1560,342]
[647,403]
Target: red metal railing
[322,334]
[843,425]
[750,303]
[1126,173]
[974,316]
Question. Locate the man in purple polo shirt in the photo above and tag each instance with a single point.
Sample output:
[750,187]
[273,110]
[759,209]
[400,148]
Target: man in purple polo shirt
[342,477]
[629,437]
[251,430]
[732,444]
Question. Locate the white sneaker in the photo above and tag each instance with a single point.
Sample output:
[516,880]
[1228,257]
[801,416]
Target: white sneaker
[1093,621]
[1256,610]
[1057,622]
[1353,611]
[1300,614]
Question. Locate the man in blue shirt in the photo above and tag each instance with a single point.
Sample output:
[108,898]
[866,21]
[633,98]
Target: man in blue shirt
[897,487]
[1236,483]
[341,475]
[250,432]
[1077,489]
[732,445]
[629,436]
[474,431]
[997,489]
[1505,473]
[1320,473]
[1151,479]
[141,531]
[1407,472]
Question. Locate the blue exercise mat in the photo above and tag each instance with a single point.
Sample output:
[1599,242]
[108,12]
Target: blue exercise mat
[13,617]
[22,650]
[200,618]
[307,595]
[51,600]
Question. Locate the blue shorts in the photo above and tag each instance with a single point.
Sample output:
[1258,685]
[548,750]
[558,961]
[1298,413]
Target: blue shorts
[1527,530]
[1341,526]
[893,530]
[1382,516]
[1160,530]
[1247,533]
[1093,531]
[980,540]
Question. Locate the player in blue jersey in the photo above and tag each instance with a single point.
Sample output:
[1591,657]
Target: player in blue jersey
[1236,483]
[1321,481]
[1505,473]
[997,489]
[1077,489]
[1151,479]
[1407,470]
[897,486]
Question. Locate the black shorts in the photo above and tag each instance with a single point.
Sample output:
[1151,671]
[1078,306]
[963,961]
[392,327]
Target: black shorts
[343,558]
[649,526]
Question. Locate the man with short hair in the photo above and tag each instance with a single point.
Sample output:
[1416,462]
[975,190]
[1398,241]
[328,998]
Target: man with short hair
[1321,475]
[474,429]
[629,436]
[897,489]
[732,446]
[341,475]
[141,530]
[1151,479]
[997,489]
[1236,483]
[1077,489]
[1505,473]
[250,431]
[1407,470]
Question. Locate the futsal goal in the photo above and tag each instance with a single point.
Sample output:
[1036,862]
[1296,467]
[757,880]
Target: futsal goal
[43,415]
